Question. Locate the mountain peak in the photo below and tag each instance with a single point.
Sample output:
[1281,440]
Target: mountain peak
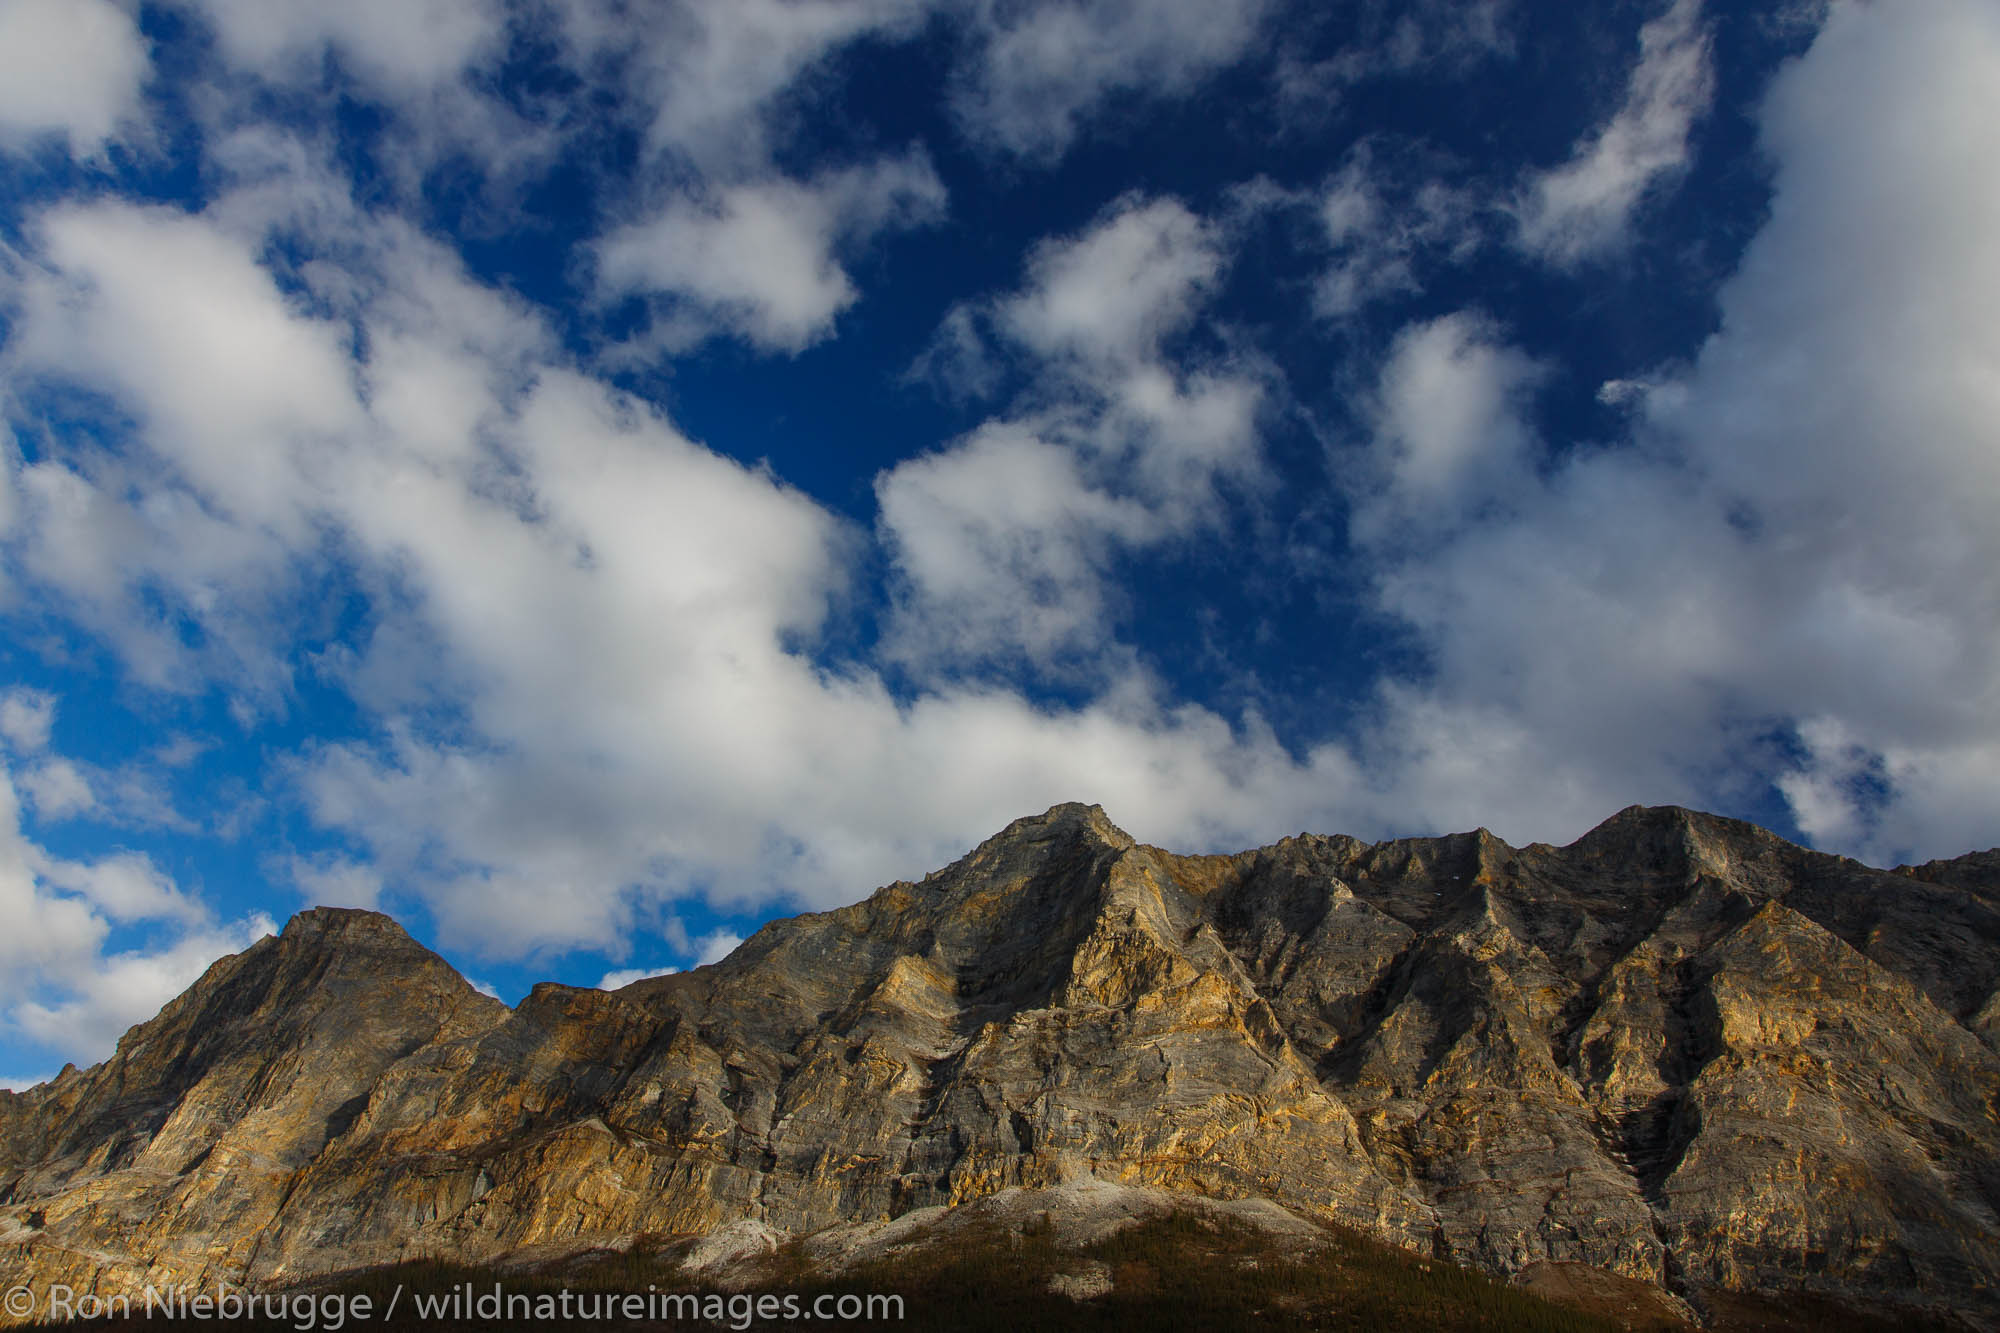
[1679,817]
[1065,815]
[1070,825]
[1069,819]
[1656,834]
[1650,817]
[343,923]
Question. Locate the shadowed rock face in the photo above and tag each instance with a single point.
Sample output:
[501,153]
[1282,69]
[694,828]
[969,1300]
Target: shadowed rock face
[1681,1049]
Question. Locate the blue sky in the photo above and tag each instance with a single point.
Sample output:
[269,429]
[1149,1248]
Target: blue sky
[587,476]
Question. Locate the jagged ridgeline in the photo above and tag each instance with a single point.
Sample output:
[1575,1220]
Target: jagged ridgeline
[1680,1050]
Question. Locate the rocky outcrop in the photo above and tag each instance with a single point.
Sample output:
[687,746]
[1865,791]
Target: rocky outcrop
[1680,1049]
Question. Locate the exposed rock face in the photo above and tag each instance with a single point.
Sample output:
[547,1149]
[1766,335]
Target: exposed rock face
[1681,1049]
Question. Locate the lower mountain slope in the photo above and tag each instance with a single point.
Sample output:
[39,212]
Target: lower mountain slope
[1681,1051]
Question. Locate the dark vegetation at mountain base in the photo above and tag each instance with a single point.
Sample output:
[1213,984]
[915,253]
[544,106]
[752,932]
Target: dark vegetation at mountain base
[1171,1274]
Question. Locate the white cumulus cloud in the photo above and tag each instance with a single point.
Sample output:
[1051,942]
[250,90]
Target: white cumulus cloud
[58,790]
[25,718]
[761,259]
[61,985]
[407,45]
[1791,573]
[1002,540]
[73,69]
[1451,419]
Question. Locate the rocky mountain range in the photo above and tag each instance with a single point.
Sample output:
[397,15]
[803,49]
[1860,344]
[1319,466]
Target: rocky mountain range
[1680,1049]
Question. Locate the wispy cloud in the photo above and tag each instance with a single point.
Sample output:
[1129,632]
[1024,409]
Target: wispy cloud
[1384,227]
[1584,208]
[1033,73]
[1448,36]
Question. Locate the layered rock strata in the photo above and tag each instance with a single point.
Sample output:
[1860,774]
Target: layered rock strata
[1680,1049]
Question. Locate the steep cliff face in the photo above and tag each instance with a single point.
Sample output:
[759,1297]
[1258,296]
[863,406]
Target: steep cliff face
[169,1160]
[1680,1049]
